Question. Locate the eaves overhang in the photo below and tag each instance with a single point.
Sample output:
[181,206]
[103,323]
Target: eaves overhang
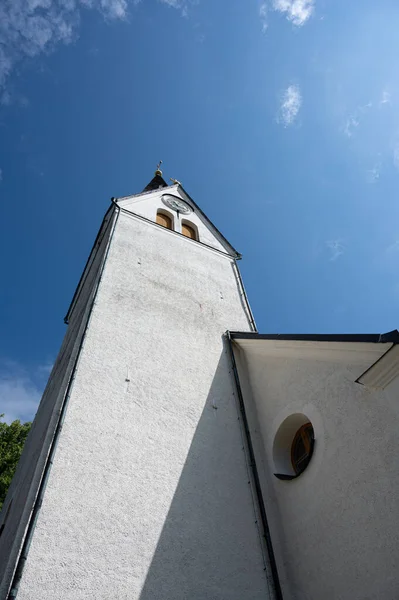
[381,351]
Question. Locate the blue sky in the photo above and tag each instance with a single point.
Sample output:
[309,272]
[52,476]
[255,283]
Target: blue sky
[280,117]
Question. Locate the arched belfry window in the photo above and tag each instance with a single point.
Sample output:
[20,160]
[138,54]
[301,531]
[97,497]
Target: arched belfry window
[165,220]
[189,230]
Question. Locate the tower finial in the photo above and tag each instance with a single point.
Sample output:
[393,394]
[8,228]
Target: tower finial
[158,171]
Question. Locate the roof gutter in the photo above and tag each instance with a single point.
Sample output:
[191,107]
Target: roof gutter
[244,297]
[255,474]
[392,337]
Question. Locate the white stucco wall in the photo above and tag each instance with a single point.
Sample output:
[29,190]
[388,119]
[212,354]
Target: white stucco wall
[24,486]
[334,528]
[148,496]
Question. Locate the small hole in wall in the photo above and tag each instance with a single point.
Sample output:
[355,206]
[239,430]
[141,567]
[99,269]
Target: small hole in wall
[293,446]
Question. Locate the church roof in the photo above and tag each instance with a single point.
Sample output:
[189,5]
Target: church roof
[383,348]
[156,182]
[383,338]
[233,251]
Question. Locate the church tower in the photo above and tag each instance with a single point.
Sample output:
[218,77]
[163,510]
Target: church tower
[135,481]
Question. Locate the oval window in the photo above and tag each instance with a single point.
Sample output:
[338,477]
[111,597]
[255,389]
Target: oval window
[293,446]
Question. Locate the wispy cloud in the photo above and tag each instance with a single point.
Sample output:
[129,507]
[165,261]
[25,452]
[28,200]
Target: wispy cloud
[296,11]
[365,107]
[31,27]
[351,123]
[290,104]
[374,173]
[175,3]
[373,133]
[385,97]
[336,249]
[182,5]
[263,15]
[353,120]
[20,390]
[5,98]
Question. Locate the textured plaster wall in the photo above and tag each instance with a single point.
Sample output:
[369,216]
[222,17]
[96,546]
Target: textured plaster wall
[334,528]
[148,496]
[23,489]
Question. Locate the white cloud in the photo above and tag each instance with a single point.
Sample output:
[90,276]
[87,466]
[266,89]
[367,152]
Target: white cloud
[263,15]
[374,135]
[179,4]
[357,70]
[20,391]
[28,27]
[5,99]
[296,11]
[353,121]
[174,3]
[290,105]
[374,173]
[31,27]
[336,248]
[385,97]
[115,9]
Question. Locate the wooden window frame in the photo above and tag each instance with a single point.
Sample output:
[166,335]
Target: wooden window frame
[306,433]
[193,228]
[167,215]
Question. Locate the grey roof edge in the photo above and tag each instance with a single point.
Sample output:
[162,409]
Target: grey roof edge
[391,337]
[235,252]
[108,212]
[383,357]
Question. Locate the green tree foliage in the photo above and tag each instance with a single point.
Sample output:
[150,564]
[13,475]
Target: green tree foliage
[12,440]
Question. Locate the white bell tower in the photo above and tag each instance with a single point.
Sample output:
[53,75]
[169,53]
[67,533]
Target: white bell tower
[134,483]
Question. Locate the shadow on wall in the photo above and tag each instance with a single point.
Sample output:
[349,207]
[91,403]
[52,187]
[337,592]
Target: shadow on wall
[210,547]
